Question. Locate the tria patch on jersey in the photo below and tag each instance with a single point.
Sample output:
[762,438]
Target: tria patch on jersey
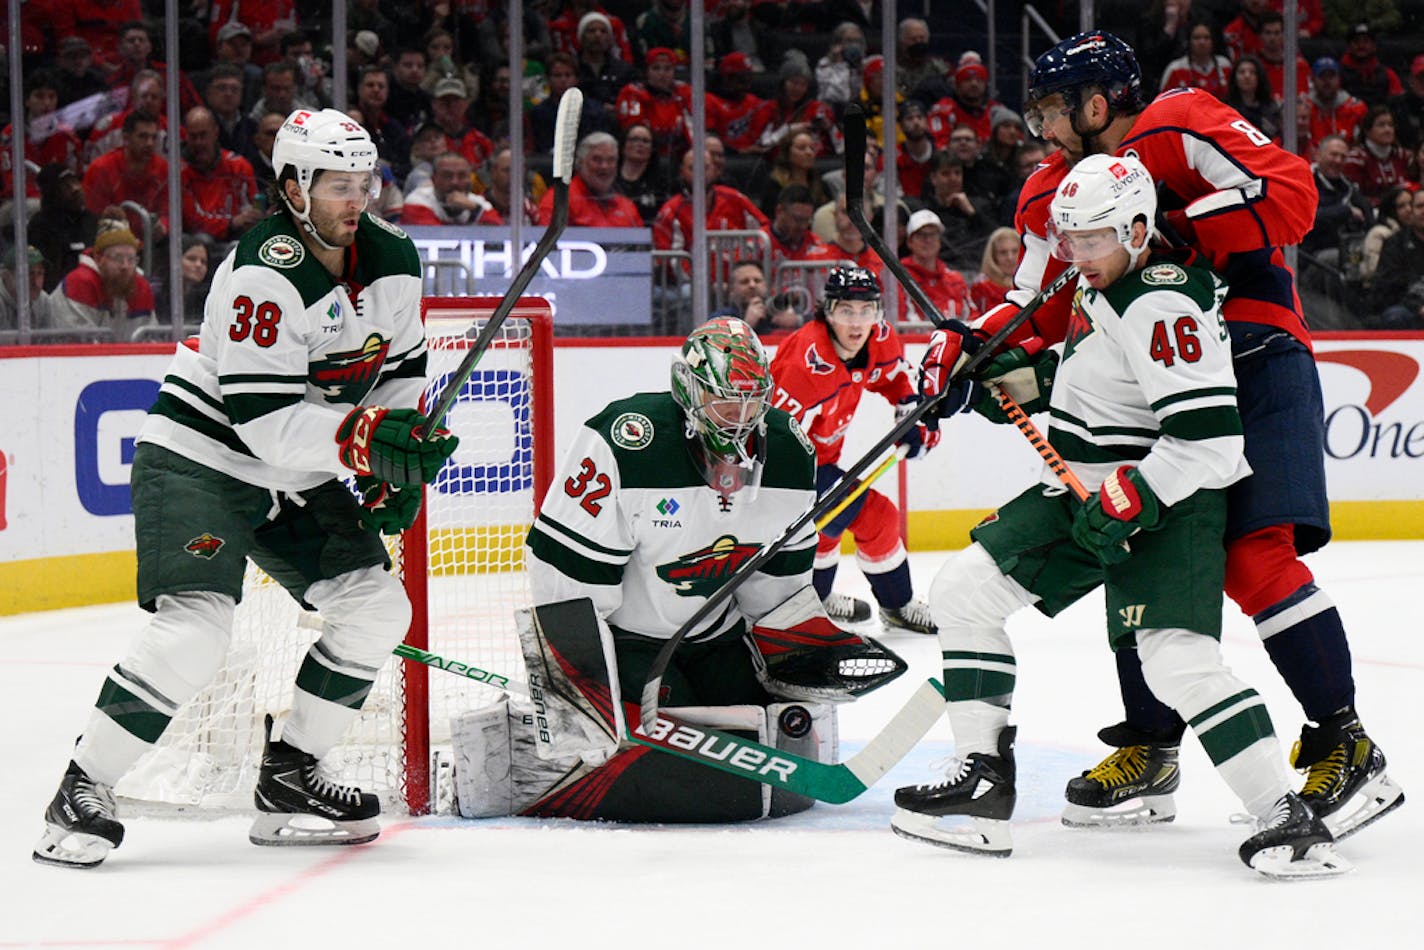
[282,250]
[633,431]
[700,573]
[1163,275]
[204,546]
[801,436]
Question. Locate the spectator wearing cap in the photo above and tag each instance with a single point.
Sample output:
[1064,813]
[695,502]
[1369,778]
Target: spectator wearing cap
[1377,163]
[602,73]
[543,118]
[78,78]
[1333,111]
[912,163]
[219,187]
[966,219]
[40,316]
[838,73]
[969,105]
[918,74]
[233,47]
[1408,107]
[1242,35]
[447,199]
[593,201]
[946,288]
[64,226]
[279,91]
[790,228]
[872,98]
[663,25]
[450,104]
[795,109]
[267,22]
[740,27]
[135,53]
[730,110]
[47,139]
[132,172]
[96,22]
[564,28]
[993,171]
[407,100]
[662,103]
[106,289]
[1361,72]
[1202,67]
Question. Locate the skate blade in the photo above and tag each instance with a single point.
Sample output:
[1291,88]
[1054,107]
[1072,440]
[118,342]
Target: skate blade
[986,836]
[1319,860]
[1375,799]
[1133,813]
[63,848]
[288,830]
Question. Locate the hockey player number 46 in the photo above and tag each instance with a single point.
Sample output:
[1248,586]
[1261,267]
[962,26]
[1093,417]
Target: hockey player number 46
[1188,347]
[588,475]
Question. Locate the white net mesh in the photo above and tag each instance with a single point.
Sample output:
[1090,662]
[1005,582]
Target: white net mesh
[477,514]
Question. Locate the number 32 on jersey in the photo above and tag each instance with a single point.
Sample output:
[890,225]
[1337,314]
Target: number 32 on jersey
[589,485]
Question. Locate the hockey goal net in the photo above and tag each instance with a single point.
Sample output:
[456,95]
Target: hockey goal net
[462,564]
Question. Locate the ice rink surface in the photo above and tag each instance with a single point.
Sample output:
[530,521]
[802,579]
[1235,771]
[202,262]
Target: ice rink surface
[829,878]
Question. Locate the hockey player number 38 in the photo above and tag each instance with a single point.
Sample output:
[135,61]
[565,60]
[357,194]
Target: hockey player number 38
[257,320]
[577,485]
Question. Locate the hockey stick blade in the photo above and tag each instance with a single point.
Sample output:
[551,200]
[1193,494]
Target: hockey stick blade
[834,783]
[565,138]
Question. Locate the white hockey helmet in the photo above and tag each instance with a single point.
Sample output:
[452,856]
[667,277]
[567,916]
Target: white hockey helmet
[1102,191]
[329,140]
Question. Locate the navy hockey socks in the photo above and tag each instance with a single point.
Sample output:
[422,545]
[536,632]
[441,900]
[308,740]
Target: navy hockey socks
[1305,639]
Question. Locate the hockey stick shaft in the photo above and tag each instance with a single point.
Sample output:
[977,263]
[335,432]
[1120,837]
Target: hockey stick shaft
[861,488]
[565,138]
[835,782]
[1036,438]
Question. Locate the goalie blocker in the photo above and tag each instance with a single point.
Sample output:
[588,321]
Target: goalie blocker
[561,752]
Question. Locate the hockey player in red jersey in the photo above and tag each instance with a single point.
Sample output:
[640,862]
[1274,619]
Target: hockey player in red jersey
[1230,193]
[821,371]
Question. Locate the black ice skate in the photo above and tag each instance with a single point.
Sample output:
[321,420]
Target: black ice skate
[301,807]
[1345,782]
[1293,844]
[1132,786]
[80,829]
[845,609]
[913,617]
[981,787]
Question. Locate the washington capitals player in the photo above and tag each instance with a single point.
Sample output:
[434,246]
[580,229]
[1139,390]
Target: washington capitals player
[312,330]
[1143,411]
[1231,194]
[821,371]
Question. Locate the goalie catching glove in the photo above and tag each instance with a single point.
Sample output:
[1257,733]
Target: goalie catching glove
[800,654]
[392,446]
[1026,373]
[1123,506]
[387,508]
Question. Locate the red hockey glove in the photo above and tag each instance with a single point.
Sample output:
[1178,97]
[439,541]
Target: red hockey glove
[950,348]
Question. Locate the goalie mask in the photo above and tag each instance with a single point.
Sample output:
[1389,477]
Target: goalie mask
[1096,206]
[722,380]
[311,142]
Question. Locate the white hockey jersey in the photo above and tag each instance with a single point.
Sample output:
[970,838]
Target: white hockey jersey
[630,523]
[1146,379]
[286,351]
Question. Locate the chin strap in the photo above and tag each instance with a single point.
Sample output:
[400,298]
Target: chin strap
[304,219]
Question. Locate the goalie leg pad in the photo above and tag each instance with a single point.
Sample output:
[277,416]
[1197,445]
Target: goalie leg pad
[484,785]
[573,680]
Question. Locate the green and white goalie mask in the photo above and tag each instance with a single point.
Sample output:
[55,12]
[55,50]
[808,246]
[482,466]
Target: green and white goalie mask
[722,380]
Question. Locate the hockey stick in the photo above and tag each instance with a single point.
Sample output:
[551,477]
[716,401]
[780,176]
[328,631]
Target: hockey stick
[860,489]
[835,783]
[565,138]
[1036,438]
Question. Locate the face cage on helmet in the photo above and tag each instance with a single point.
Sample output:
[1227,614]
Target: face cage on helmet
[730,456]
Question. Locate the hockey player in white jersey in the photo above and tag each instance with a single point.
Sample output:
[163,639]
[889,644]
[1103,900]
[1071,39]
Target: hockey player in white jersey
[307,370]
[1143,410]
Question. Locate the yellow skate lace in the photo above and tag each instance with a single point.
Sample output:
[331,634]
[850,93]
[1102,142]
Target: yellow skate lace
[1122,767]
[1322,777]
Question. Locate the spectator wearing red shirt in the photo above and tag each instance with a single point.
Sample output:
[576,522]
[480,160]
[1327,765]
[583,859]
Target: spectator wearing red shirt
[790,227]
[1377,163]
[996,271]
[449,101]
[593,202]
[219,188]
[96,22]
[47,139]
[1273,57]
[106,289]
[1361,72]
[849,245]
[795,110]
[661,102]
[1243,34]
[970,105]
[146,94]
[912,163]
[727,210]
[132,172]
[945,287]
[564,28]
[735,106]
[447,199]
[1202,68]
[1333,111]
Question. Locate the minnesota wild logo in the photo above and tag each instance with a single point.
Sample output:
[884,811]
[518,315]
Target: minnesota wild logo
[348,376]
[699,573]
[281,250]
[1079,326]
[204,546]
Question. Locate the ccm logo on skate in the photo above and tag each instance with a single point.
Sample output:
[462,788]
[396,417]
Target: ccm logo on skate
[107,416]
[720,748]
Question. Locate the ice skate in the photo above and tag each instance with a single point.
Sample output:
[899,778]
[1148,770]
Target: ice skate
[80,829]
[981,787]
[1132,786]
[1345,781]
[300,807]
[1293,844]
[913,617]
[845,609]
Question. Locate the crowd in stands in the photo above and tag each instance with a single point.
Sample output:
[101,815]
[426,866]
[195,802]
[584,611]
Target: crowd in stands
[430,80]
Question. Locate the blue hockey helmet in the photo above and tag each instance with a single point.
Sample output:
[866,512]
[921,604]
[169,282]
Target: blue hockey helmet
[1095,59]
